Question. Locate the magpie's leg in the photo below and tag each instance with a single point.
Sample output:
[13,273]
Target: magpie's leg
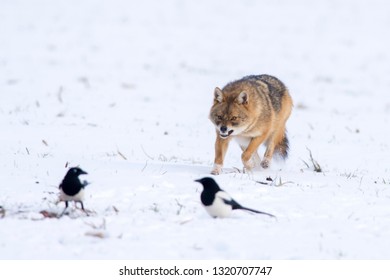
[82,207]
[66,206]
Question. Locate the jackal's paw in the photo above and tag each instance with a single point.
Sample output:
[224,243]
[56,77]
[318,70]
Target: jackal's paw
[248,165]
[247,170]
[265,163]
[256,161]
[217,169]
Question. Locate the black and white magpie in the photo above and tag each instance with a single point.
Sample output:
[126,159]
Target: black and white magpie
[71,188]
[218,203]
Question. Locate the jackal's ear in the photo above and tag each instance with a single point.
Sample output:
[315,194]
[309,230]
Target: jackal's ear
[218,95]
[242,98]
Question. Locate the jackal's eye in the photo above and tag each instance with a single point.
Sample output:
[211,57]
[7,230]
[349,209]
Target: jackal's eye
[219,118]
[233,118]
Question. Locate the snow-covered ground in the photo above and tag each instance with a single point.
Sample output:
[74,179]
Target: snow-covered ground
[123,89]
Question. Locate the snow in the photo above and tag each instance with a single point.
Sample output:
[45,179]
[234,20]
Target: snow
[123,89]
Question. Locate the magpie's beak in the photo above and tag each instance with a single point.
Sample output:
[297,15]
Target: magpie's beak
[198,180]
[82,172]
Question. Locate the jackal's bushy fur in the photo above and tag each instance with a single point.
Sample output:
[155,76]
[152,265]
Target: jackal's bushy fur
[253,110]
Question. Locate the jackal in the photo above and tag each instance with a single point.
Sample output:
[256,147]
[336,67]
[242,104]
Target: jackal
[253,110]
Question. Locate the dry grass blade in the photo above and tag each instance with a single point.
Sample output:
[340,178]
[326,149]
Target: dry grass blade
[101,226]
[2,212]
[115,209]
[122,155]
[181,206]
[98,234]
[146,153]
[316,165]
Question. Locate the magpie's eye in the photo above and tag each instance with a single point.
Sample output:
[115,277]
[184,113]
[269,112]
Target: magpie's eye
[233,118]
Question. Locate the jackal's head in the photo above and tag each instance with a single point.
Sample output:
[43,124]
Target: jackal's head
[229,113]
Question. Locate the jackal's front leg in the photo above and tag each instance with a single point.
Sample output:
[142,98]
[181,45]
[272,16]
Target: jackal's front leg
[251,150]
[221,145]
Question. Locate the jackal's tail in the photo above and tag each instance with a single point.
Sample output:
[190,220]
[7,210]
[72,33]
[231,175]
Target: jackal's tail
[283,147]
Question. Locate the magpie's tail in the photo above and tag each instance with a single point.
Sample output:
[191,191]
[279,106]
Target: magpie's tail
[258,212]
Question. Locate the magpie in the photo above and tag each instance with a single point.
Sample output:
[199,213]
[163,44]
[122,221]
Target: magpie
[71,188]
[218,203]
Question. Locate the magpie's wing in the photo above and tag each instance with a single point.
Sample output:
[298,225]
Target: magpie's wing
[84,183]
[226,198]
[233,203]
